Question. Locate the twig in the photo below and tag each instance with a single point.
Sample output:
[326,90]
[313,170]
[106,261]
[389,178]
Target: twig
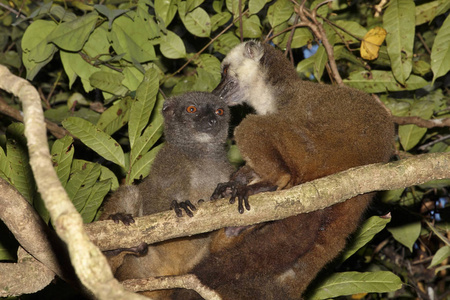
[426,146]
[17,13]
[423,42]
[241,28]
[57,131]
[422,122]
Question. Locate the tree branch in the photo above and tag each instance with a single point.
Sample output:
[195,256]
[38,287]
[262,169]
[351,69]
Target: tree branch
[90,265]
[307,197]
[25,277]
[418,121]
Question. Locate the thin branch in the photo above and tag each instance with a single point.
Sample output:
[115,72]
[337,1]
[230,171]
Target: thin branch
[16,114]
[241,28]
[17,13]
[418,121]
[438,140]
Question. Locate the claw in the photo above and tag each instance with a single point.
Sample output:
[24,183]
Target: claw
[126,219]
[187,206]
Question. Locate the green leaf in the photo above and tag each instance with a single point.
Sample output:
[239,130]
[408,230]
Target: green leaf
[142,107]
[280,12]
[399,22]
[107,174]
[255,6]
[151,134]
[302,36]
[62,155]
[111,14]
[133,78]
[172,46]
[95,199]
[5,166]
[364,234]
[406,234]
[410,135]
[130,37]
[166,10]
[115,117]
[141,167]
[350,283]
[17,151]
[440,256]
[108,82]
[440,53]
[320,60]
[36,51]
[74,65]
[225,43]
[233,6]
[426,12]
[219,19]
[95,139]
[71,36]
[211,65]
[380,81]
[352,27]
[198,22]
[80,183]
[252,27]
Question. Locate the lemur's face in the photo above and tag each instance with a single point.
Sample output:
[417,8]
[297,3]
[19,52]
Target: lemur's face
[240,73]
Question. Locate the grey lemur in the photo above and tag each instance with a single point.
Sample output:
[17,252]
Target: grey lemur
[301,131]
[188,167]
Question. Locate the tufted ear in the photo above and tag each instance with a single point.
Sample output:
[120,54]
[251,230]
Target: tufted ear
[254,50]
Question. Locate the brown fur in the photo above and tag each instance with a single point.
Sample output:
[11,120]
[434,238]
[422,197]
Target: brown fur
[315,130]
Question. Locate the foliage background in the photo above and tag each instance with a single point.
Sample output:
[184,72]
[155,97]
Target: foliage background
[103,69]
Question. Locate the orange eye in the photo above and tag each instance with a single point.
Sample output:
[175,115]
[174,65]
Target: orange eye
[220,112]
[191,109]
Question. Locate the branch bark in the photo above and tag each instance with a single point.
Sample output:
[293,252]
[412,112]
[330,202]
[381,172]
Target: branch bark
[307,197]
[90,265]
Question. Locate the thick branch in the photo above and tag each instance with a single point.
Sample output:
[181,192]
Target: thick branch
[170,282]
[27,227]
[307,197]
[25,277]
[89,263]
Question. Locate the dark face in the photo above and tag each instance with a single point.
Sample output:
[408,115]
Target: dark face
[229,89]
[196,117]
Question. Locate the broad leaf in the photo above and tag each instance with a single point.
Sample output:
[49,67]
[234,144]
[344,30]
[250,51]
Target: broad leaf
[350,283]
[95,139]
[141,167]
[440,256]
[36,51]
[166,10]
[172,46]
[17,151]
[62,155]
[198,22]
[111,14]
[399,22]
[72,35]
[255,6]
[80,183]
[95,199]
[108,82]
[115,117]
[364,234]
[142,107]
[440,53]
[406,234]
[279,12]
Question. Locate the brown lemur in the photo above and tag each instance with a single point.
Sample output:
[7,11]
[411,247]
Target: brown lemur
[189,166]
[301,131]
